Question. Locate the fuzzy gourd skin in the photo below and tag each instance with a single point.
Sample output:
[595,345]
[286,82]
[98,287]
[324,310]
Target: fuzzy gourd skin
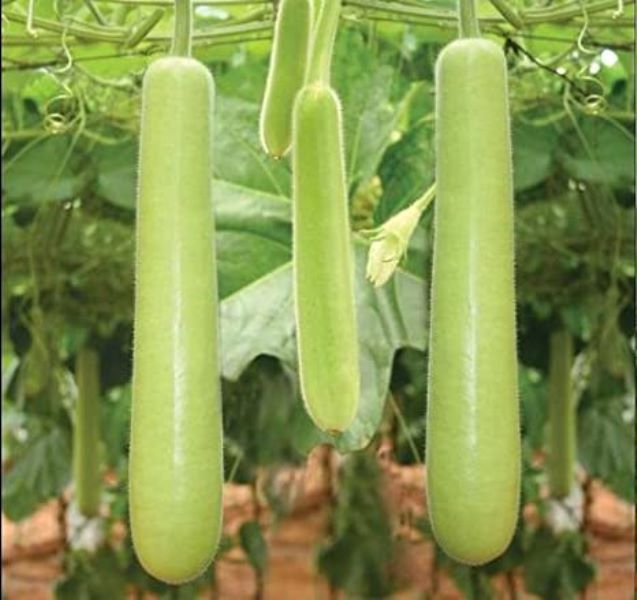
[286,75]
[176,471]
[473,432]
[86,434]
[323,263]
[562,417]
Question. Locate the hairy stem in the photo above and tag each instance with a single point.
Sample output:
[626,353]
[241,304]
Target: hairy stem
[182,33]
[323,40]
[468,19]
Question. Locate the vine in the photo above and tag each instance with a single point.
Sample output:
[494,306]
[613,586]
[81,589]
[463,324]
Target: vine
[575,14]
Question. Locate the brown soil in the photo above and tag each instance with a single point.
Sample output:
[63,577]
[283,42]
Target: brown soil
[31,550]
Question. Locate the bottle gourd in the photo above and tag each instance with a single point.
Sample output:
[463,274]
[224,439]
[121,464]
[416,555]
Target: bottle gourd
[286,74]
[562,418]
[175,470]
[86,433]
[473,434]
[322,252]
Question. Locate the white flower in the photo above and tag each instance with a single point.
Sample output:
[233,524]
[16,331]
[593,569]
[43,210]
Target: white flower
[391,239]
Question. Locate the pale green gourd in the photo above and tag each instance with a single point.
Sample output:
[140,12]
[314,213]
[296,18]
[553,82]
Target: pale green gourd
[175,470]
[322,247]
[87,477]
[323,263]
[286,75]
[473,431]
[562,417]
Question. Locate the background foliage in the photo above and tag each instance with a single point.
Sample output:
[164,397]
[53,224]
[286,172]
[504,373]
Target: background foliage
[70,117]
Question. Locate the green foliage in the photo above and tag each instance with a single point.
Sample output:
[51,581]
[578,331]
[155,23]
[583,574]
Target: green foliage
[600,151]
[254,545]
[555,567]
[69,178]
[407,169]
[357,557]
[115,427]
[264,403]
[606,435]
[533,154]
[92,577]
[45,163]
[39,470]
[409,389]
[534,411]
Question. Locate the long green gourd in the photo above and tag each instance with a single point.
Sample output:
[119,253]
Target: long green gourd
[322,253]
[176,470]
[316,11]
[473,432]
[286,75]
[562,421]
[86,433]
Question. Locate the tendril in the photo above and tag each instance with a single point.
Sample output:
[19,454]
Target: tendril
[584,31]
[593,103]
[67,53]
[620,10]
[30,15]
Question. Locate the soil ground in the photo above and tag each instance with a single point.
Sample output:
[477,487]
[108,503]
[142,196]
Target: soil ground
[31,550]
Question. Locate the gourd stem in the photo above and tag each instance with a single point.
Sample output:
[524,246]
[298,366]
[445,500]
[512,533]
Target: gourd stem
[182,33]
[322,45]
[468,19]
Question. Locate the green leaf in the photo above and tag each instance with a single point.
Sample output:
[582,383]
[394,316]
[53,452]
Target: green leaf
[257,314]
[115,424]
[116,173]
[556,567]
[257,408]
[358,555]
[406,171]
[473,582]
[98,577]
[369,114]
[45,172]
[532,395]
[238,155]
[533,154]
[37,474]
[254,545]
[259,319]
[602,152]
[253,226]
[606,442]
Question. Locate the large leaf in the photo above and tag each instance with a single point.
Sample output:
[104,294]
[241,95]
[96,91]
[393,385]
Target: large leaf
[117,173]
[601,152]
[261,404]
[98,577]
[606,443]
[369,112]
[238,155]
[45,171]
[39,473]
[253,235]
[533,154]
[556,567]
[259,319]
[358,555]
[407,169]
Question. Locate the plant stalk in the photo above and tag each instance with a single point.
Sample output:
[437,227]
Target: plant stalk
[182,35]
[323,40]
[468,19]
